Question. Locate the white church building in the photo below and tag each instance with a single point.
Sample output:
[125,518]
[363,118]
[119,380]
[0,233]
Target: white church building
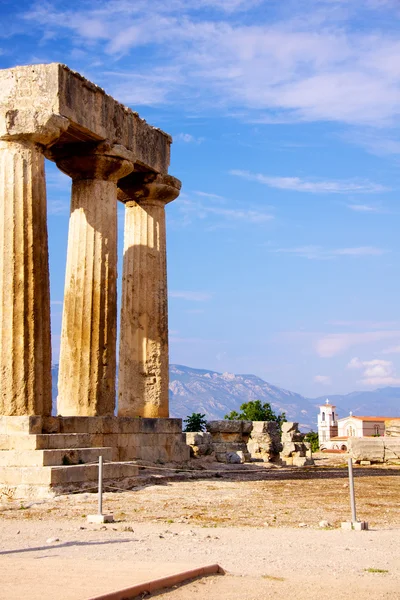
[333,432]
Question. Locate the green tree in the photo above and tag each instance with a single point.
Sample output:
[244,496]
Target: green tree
[195,422]
[255,411]
[312,437]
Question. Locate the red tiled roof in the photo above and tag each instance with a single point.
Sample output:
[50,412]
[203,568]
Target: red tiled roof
[376,418]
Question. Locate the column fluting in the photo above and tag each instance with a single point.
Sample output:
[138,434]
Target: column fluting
[25,343]
[87,372]
[143,356]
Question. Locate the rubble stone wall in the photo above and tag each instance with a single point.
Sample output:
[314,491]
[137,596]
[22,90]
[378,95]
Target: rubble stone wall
[246,441]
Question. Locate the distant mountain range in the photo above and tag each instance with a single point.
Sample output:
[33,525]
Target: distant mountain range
[216,394]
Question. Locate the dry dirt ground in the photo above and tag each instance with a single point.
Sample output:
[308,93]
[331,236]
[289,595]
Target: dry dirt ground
[261,525]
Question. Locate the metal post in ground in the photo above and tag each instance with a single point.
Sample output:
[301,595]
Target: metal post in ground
[352,494]
[100,491]
[353,524]
[100,518]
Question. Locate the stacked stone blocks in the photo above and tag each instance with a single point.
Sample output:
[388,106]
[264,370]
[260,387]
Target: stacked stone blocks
[265,441]
[229,440]
[294,451]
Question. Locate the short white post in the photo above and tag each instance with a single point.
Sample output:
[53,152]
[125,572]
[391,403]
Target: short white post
[352,494]
[100,518]
[353,524]
[100,511]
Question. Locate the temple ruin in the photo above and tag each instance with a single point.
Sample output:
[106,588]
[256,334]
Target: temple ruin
[110,154]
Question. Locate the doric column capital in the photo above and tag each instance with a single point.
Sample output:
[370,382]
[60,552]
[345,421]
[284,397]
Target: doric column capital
[102,161]
[148,188]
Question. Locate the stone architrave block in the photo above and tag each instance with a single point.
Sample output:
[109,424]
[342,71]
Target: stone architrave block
[372,449]
[37,100]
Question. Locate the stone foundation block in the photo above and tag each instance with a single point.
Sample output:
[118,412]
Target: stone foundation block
[18,424]
[129,425]
[128,453]
[22,442]
[51,425]
[112,425]
[110,439]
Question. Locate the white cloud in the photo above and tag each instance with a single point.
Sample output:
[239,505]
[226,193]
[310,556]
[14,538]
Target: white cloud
[187,138]
[375,372]
[364,208]
[197,209]
[323,379]
[391,350]
[313,187]
[208,195]
[319,253]
[191,296]
[337,343]
[359,251]
[298,63]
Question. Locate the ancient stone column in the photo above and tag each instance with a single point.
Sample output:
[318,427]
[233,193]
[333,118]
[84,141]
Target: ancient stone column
[25,346]
[143,356]
[86,385]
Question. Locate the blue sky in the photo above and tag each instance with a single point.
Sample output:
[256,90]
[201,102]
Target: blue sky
[283,248]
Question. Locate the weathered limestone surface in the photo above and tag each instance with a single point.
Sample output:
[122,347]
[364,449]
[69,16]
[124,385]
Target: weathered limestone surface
[47,110]
[42,456]
[265,441]
[229,440]
[392,428]
[200,443]
[384,449]
[25,351]
[88,341]
[143,357]
[37,98]
[294,451]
